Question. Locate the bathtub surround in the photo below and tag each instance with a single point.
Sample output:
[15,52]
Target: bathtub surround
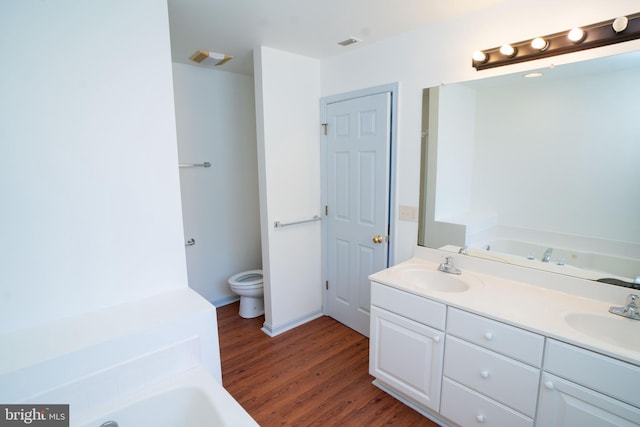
[92,359]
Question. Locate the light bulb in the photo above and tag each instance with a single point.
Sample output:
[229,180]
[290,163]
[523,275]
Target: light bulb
[507,50]
[576,35]
[539,43]
[620,24]
[479,56]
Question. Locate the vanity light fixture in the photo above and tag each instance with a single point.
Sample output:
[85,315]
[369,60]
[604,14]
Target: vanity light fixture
[618,30]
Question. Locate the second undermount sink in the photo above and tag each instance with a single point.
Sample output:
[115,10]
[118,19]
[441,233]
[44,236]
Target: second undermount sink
[612,329]
[438,281]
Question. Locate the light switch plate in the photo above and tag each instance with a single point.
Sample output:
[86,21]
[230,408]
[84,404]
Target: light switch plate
[408,213]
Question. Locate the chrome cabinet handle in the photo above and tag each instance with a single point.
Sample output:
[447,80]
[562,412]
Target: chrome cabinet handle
[190,242]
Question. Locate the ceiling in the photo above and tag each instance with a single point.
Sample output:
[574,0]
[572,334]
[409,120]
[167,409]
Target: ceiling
[307,27]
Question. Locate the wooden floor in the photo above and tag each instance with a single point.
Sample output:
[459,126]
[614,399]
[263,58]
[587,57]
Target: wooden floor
[313,375]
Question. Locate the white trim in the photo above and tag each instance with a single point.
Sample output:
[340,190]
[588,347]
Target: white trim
[416,407]
[268,329]
[229,299]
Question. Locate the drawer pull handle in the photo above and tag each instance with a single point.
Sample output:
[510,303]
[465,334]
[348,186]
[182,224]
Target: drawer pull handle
[436,339]
[548,385]
[488,336]
[480,418]
[484,374]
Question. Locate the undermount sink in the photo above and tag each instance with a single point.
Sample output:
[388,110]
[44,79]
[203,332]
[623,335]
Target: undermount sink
[439,281]
[612,329]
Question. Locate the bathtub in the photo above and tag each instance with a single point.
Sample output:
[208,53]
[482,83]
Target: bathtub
[192,399]
[594,265]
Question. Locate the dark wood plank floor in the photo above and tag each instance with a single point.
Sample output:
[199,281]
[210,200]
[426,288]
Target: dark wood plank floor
[313,375]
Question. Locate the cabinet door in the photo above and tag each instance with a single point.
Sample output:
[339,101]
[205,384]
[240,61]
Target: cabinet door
[407,356]
[565,404]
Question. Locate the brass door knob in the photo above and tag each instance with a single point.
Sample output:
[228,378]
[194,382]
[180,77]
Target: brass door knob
[377,239]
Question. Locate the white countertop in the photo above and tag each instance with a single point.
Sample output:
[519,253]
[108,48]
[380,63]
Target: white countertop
[534,301]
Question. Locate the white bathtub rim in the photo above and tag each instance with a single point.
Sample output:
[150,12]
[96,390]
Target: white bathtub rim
[227,408]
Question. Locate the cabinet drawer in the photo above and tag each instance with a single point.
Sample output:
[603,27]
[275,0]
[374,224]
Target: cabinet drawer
[604,374]
[414,307]
[505,380]
[514,342]
[469,408]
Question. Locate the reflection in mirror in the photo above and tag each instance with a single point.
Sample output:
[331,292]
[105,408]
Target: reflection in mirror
[542,172]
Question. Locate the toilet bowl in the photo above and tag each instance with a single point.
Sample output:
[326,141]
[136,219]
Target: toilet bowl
[248,285]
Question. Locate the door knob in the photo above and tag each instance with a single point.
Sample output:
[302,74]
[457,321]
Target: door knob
[377,239]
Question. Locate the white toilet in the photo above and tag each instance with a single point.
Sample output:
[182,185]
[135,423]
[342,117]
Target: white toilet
[248,285]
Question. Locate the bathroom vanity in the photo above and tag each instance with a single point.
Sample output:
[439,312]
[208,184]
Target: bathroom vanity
[500,345]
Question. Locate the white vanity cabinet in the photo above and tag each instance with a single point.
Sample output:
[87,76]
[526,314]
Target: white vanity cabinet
[491,372]
[461,368]
[407,344]
[583,388]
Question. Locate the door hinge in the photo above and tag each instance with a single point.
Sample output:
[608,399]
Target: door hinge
[326,210]
[324,125]
[326,284]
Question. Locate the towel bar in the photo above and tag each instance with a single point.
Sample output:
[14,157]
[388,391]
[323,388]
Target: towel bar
[279,224]
[195,165]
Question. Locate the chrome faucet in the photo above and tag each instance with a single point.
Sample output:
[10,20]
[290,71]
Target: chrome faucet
[547,255]
[630,310]
[464,250]
[448,266]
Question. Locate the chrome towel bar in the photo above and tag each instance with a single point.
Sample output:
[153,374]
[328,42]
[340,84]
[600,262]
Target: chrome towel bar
[195,165]
[279,224]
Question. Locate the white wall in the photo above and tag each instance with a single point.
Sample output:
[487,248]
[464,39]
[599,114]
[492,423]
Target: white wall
[442,54]
[287,110]
[88,162]
[215,118]
[455,138]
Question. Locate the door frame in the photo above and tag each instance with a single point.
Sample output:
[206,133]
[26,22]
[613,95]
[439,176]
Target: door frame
[393,89]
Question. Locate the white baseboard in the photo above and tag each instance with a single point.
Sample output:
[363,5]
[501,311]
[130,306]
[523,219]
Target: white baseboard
[220,302]
[272,332]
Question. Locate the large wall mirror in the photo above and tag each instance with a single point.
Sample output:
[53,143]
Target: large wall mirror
[542,171]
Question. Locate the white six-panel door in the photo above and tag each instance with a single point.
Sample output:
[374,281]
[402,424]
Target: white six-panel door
[357,216]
